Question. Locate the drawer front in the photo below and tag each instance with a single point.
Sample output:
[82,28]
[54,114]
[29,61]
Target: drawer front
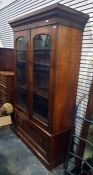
[3,89]
[36,137]
[3,98]
[3,80]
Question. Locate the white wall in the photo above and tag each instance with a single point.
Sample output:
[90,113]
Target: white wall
[4,3]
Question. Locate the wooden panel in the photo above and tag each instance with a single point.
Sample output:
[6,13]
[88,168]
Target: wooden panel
[34,135]
[6,87]
[6,59]
[3,89]
[3,79]
[10,88]
[67,69]
[48,148]
[3,98]
[62,13]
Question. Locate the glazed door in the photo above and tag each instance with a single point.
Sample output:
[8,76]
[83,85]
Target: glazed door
[43,42]
[21,69]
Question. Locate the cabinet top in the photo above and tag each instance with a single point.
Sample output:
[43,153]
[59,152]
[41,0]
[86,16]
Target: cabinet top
[54,14]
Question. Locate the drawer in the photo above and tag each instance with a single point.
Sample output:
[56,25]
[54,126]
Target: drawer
[3,89]
[3,80]
[35,136]
[3,99]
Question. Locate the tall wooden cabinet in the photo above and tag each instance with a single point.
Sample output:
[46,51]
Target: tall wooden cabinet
[47,57]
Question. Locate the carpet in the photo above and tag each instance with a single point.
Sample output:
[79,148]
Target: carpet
[17,159]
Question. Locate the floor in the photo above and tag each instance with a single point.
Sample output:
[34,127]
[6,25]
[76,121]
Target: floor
[16,159]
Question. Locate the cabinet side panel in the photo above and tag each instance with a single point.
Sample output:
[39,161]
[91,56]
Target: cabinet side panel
[10,88]
[6,59]
[67,70]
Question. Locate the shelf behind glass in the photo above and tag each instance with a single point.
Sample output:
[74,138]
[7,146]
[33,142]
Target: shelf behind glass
[41,93]
[42,64]
[21,61]
[21,55]
[42,57]
[41,67]
[42,49]
[22,87]
[41,118]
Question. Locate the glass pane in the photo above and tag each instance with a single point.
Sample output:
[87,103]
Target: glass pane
[41,77]
[40,106]
[21,96]
[21,74]
[41,73]
[21,71]
[21,47]
[42,41]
